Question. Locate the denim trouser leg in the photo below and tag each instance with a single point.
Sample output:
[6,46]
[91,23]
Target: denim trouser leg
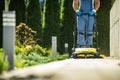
[80,29]
[85,24]
[89,33]
[89,40]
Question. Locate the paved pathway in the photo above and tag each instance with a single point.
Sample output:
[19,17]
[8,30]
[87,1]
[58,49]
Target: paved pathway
[70,69]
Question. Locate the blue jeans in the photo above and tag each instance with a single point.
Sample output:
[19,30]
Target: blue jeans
[85,25]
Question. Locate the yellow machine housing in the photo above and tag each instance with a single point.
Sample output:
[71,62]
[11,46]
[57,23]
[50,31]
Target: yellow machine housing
[86,50]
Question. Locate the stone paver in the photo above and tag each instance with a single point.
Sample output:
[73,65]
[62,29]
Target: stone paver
[70,69]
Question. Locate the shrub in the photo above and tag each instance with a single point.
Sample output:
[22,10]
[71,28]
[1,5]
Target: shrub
[62,57]
[25,50]
[34,59]
[24,35]
[3,62]
[19,61]
[28,49]
[19,50]
[41,51]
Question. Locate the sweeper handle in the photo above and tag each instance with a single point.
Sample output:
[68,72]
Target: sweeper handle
[85,13]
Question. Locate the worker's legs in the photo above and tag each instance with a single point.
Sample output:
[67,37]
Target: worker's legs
[89,33]
[80,29]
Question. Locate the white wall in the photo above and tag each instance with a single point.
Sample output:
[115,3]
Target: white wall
[115,30]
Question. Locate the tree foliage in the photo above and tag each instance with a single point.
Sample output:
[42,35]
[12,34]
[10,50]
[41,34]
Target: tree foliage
[19,7]
[68,24]
[52,21]
[52,25]
[1,28]
[103,26]
[34,18]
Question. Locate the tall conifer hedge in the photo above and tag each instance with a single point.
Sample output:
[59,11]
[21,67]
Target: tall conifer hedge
[1,27]
[19,7]
[103,20]
[52,21]
[34,18]
[53,27]
[68,24]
